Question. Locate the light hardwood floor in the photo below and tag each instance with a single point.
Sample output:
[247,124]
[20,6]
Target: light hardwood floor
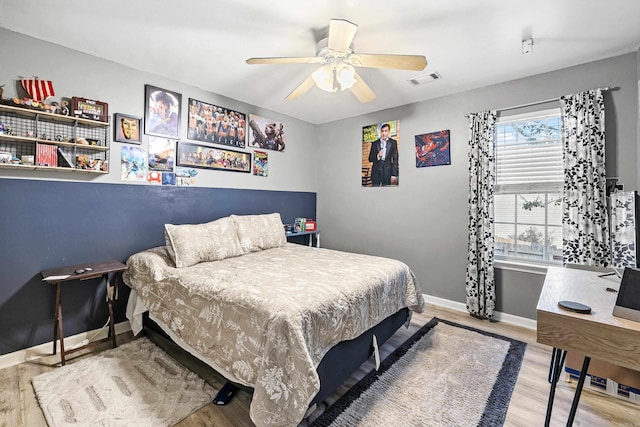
[18,405]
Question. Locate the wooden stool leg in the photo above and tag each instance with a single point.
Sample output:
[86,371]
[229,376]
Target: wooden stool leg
[112,294]
[57,315]
[61,333]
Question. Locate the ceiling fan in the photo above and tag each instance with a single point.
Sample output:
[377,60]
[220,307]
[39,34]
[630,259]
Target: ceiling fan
[336,54]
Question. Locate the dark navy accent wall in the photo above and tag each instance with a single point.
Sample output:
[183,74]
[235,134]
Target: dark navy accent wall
[48,224]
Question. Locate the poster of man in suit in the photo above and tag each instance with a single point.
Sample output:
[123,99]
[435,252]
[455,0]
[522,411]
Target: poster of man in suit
[380,146]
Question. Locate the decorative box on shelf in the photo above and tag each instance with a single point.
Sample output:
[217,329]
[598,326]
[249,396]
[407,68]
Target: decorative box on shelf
[299,225]
[90,109]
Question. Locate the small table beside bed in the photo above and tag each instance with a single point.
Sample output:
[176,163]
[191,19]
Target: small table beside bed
[291,322]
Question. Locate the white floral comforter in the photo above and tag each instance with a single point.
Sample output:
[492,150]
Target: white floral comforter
[267,318]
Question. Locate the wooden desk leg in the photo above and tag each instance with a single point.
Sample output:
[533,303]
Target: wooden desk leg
[555,367]
[576,397]
[56,319]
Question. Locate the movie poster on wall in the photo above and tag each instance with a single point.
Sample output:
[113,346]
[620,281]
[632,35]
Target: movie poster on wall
[380,148]
[133,163]
[266,134]
[162,154]
[216,125]
[432,149]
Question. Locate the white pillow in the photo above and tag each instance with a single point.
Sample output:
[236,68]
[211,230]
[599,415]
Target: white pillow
[193,243]
[257,232]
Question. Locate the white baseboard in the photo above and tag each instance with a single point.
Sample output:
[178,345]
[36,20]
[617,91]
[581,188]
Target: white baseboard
[45,349]
[497,315]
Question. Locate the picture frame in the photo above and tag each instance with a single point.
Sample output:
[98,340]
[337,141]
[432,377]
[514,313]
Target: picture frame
[162,111]
[215,124]
[266,134]
[127,129]
[433,149]
[380,154]
[89,109]
[213,158]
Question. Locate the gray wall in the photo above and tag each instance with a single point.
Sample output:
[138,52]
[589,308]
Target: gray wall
[423,222]
[74,73]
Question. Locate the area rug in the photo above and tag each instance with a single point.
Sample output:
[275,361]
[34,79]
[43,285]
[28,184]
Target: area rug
[135,384]
[444,375]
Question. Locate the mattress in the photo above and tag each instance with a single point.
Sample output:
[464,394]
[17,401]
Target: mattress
[266,319]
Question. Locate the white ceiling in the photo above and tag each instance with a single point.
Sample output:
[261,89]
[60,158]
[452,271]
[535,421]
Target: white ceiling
[471,43]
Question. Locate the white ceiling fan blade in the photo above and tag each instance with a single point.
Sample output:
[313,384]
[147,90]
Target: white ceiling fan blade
[400,62]
[301,89]
[285,60]
[341,34]
[361,90]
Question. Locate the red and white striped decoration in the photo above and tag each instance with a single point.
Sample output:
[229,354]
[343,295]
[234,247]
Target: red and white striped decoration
[38,90]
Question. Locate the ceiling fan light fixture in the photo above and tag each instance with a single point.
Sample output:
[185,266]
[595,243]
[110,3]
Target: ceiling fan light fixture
[346,76]
[323,77]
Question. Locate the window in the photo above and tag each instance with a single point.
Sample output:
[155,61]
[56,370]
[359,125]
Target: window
[528,193]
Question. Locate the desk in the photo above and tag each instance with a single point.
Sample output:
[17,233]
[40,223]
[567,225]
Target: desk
[57,276]
[307,233]
[600,334]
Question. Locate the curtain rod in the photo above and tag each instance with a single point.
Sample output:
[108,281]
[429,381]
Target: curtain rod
[529,104]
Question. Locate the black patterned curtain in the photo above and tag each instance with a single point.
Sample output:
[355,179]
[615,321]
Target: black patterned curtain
[585,230]
[623,229]
[480,282]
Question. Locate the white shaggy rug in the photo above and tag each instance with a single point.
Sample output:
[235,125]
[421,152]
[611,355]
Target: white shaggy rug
[135,384]
[444,375]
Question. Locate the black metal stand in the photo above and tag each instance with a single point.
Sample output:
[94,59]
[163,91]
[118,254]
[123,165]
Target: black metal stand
[555,368]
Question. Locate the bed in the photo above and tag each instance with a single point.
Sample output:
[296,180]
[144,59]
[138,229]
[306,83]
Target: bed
[264,313]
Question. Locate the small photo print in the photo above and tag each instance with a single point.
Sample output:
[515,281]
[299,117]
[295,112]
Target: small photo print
[186,176]
[162,154]
[133,163]
[168,178]
[260,163]
[432,149]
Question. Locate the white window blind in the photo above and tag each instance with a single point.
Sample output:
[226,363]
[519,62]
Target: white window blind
[528,192]
[529,151]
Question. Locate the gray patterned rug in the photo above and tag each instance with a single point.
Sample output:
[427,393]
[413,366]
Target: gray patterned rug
[444,375]
[135,384]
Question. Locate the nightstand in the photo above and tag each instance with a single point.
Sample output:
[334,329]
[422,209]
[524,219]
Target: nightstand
[311,234]
[91,270]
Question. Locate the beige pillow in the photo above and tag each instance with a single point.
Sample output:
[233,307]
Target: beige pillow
[257,232]
[193,243]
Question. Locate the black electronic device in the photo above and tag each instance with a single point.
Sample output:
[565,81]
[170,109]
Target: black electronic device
[628,301]
[574,306]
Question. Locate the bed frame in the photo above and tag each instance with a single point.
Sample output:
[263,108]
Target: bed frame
[334,368]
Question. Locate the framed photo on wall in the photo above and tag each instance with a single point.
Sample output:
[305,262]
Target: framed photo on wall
[206,157]
[215,124]
[127,128]
[162,112]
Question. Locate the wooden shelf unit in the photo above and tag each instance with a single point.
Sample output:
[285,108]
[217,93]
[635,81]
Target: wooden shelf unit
[45,128]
